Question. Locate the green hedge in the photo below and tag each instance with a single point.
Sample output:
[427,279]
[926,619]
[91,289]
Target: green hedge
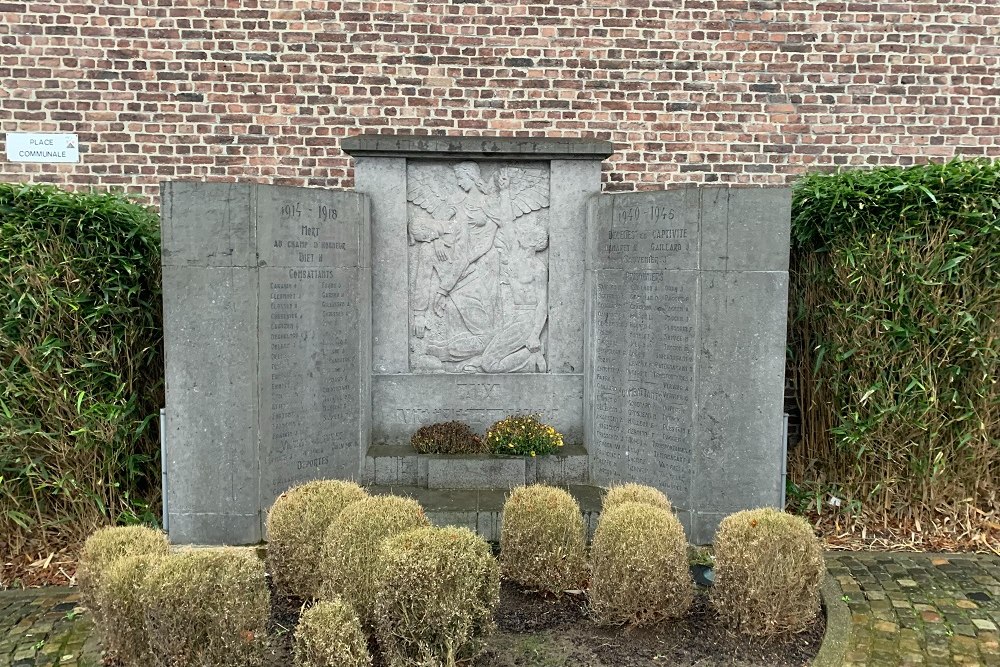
[80,361]
[895,337]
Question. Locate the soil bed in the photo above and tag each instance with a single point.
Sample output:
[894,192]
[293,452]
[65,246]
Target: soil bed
[547,632]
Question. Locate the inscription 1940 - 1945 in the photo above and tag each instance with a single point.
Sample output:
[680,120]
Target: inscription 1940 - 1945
[643,379]
[643,319]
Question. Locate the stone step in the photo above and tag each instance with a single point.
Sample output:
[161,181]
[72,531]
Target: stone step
[401,465]
[480,510]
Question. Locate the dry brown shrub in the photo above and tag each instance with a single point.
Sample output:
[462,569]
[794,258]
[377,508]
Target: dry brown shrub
[436,597]
[452,437]
[768,568]
[353,544]
[543,539]
[329,635]
[635,493]
[105,546]
[207,608]
[296,525]
[123,628]
[640,566]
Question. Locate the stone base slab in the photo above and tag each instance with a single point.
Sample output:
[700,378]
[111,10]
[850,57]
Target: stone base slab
[401,465]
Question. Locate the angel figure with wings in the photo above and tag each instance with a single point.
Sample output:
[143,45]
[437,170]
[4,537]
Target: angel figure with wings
[461,293]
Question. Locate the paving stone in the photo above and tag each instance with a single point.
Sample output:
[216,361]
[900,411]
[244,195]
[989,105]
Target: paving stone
[966,630]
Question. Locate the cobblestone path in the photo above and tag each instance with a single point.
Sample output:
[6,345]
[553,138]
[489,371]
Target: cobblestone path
[906,609]
[920,609]
[44,628]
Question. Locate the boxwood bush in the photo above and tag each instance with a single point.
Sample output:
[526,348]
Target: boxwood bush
[640,566]
[437,591]
[296,527]
[543,539]
[123,615]
[768,569]
[352,549]
[207,608]
[634,493]
[103,548]
[329,635]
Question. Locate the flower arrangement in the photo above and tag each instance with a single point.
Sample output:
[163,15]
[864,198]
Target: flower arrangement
[452,437]
[523,435]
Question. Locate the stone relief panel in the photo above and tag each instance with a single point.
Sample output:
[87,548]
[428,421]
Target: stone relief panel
[478,266]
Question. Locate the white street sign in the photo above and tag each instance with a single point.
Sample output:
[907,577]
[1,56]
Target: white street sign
[34,147]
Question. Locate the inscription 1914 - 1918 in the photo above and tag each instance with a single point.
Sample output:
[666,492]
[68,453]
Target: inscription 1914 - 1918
[310,282]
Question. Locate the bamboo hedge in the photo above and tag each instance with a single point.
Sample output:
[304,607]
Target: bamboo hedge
[895,339]
[80,363]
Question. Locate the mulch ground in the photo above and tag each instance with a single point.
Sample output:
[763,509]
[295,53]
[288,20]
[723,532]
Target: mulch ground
[556,632]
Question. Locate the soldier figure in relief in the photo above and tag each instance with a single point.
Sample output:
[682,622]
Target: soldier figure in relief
[478,291]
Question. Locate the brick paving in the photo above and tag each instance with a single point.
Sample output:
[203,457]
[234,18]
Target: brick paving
[920,609]
[906,609]
[46,627]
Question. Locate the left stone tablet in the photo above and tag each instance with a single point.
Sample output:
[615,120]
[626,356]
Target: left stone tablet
[267,336]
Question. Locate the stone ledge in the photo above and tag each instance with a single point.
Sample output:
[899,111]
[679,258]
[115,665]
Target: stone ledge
[438,146]
[401,465]
[838,625]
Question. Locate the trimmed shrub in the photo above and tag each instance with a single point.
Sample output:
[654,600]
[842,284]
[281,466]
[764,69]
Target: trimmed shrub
[81,364]
[640,566]
[296,526]
[543,539]
[436,597]
[768,568]
[523,435]
[452,437]
[353,544]
[329,635]
[123,626]
[207,608]
[106,546]
[635,493]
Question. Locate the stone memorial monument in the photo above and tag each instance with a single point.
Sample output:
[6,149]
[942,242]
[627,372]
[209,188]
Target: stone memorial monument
[649,328]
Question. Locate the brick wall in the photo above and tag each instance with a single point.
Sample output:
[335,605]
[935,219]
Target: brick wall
[688,90]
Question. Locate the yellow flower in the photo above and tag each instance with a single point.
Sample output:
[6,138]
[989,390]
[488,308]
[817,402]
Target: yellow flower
[532,453]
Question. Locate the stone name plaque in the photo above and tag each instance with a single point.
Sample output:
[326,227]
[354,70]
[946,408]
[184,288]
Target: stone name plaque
[267,333]
[686,336]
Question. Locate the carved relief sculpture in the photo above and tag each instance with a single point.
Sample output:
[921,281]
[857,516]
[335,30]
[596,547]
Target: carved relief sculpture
[478,269]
